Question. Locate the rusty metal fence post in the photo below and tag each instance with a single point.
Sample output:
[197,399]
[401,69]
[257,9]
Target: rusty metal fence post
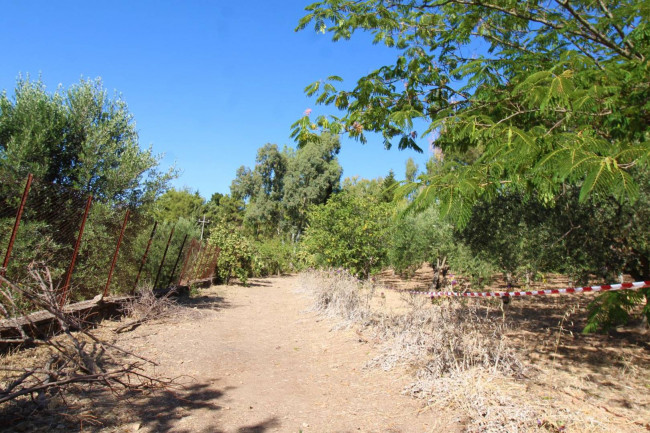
[117,250]
[197,263]
[186,262]
[180,252]
[162,262]
[19,215]
[66,285]
[144,256]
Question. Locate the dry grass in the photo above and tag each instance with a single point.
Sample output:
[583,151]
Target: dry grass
[146,306]
[460,357]
[339,295]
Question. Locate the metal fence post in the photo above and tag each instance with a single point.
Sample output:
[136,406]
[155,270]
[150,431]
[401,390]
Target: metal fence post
[177,260]
[144,256]
[117,250]
[205,271]
[186,262]
[162,262]
[19,215]
[196,263]
[66,285]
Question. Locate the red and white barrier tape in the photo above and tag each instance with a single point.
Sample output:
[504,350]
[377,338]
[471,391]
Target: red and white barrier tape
[604,288]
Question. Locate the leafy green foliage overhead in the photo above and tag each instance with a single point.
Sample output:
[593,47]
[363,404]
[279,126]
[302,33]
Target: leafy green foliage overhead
[542,93]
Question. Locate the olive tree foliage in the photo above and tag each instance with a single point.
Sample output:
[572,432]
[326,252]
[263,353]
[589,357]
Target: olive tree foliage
[544,92]
[79,138]
[426,237]
[76,142]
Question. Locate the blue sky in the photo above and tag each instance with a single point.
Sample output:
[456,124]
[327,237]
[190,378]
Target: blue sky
[208,82]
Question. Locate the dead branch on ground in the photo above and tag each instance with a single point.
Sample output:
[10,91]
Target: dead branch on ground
[76,356]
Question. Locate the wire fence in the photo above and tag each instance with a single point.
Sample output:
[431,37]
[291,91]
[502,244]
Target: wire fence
[92,247]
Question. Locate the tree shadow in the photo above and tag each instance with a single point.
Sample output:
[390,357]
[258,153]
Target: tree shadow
[260,427]
[256,283]
[551,328]
[163,409]
[91,409]
[205,302]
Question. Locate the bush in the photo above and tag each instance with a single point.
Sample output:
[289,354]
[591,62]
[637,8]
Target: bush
[237,253]
[273,257]
[425,237]
[349,231]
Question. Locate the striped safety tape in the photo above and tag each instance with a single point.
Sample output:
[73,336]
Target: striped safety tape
[603,288]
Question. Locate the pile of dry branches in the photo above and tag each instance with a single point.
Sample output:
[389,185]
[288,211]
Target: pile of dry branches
[75,356]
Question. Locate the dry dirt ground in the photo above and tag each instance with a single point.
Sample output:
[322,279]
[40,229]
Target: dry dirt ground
[256,359]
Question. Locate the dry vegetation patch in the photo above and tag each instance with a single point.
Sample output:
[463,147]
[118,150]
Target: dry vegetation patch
[497,370]
[74,379]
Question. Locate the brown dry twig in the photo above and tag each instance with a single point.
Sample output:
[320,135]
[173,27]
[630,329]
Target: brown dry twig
[76,356]
[146,306]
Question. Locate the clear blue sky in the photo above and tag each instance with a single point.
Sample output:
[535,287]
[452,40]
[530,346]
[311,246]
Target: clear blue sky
[208,82]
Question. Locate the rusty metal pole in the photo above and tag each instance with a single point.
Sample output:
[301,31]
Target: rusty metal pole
[162,262]
[208,263]
[117,250]
[206,256]
[197,263]
[177,260]
[144,256]
[66,285]
[189,254]
[19,215]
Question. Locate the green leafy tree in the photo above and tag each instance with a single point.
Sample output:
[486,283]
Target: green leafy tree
[79,138]
[223,209]
[388,187]
[427,237]
[411,170]
[175,204]
[544,92]
[262,190]
[76,142]
[349,231]
[313,174]
[237,255]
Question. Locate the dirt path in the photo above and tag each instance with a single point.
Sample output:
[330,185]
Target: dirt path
[261,362]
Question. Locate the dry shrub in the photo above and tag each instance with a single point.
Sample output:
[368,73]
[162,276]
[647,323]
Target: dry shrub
[444,338]
[338,294]
[146,306]
[75,362]
[459,358]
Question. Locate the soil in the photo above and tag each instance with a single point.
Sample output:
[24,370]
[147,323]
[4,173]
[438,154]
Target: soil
[256,359]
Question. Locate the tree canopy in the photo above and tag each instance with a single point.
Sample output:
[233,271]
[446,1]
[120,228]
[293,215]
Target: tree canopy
[79,138]
[523,95]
